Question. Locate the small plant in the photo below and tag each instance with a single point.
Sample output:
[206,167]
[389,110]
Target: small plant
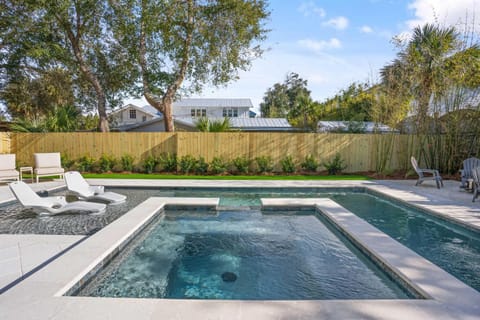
[85,164]
[334,166]
[309,164]
[106,163]
[127,162]
[66,162]
[169,162]
[202,166]
[241,165]
[264,164]
[187,164]
[149,163]
[288,165]
[218,165]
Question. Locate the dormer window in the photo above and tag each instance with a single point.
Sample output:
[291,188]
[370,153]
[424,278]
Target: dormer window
[133,114]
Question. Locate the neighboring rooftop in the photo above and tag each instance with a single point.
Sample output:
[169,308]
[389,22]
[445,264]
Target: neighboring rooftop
[195,102]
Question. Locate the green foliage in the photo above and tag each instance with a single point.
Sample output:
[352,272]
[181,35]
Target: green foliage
[204,42]
[219,165]
[187,164]
[282,99]
[127,162]
[106,162]
[334,166]
[264,164]
[310,163]
[205,125]
[66,162]
[241,165]
[149,163]
[169,162]
[288,164]
[354,103]
[202,166]
[85,163]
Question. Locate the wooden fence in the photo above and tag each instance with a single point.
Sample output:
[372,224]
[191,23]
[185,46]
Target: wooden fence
[5,142]
[361,152]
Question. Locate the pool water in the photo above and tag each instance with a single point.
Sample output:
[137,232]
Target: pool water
[453,248]
[244,255]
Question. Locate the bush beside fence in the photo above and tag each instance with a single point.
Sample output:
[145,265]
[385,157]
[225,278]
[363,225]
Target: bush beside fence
[359,151]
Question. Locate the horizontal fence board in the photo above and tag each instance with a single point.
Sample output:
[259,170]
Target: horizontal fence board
[361,152]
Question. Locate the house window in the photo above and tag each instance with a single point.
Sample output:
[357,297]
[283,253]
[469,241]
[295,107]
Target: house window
[133,114]
[144,118]
[230,112]
[198,113]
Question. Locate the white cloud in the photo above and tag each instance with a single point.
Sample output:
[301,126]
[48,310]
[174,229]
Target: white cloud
[366,29]
[445,12]
[309,8]
[339,23]
[321,45]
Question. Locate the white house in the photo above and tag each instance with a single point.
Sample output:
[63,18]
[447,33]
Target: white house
[186,112]
[132,115]
[212,108]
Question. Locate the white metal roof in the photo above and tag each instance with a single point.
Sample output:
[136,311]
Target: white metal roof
[247,103]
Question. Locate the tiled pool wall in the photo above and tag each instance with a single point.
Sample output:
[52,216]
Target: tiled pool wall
[395,276]
[137,236]
[431,213]
[142,232]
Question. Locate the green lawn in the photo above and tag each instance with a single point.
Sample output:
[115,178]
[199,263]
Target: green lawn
[174,176]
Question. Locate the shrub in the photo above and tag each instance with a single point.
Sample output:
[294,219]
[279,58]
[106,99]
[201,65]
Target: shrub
[288,165]
[106,162]
[241,164]
[335,165]
[264,164]
[149,163]
[168,162]
[187,164]
[127,162]
[117,167]
[309,164]
[202,166]
[66,162]
[218,165]
[85,164]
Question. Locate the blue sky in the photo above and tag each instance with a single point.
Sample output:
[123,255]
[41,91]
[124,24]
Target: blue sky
[333,43]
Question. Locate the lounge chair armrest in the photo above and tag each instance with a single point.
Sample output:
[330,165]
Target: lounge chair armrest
[97,189]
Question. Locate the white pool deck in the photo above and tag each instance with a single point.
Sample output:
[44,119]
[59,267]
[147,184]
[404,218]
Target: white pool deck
[36,270]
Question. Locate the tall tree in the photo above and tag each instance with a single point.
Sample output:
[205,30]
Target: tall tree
[282,98]
[181,45]
[70,34]
[436,73]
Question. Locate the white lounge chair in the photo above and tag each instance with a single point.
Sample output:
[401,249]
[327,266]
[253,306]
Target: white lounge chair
[7,168]
[51,205]
[47,165]
[77,185]
[435,175]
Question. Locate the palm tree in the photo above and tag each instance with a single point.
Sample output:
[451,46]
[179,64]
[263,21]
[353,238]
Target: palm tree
[205,125]
[430,66]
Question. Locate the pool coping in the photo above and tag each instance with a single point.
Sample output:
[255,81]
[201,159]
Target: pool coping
[43,291]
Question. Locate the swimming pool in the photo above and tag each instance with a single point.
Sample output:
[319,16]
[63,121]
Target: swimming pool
[243,255]
[452,248]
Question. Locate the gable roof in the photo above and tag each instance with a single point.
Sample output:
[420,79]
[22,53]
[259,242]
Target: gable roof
[151,111]
[203,103]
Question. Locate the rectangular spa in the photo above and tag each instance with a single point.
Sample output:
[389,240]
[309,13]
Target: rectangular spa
[242,255]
